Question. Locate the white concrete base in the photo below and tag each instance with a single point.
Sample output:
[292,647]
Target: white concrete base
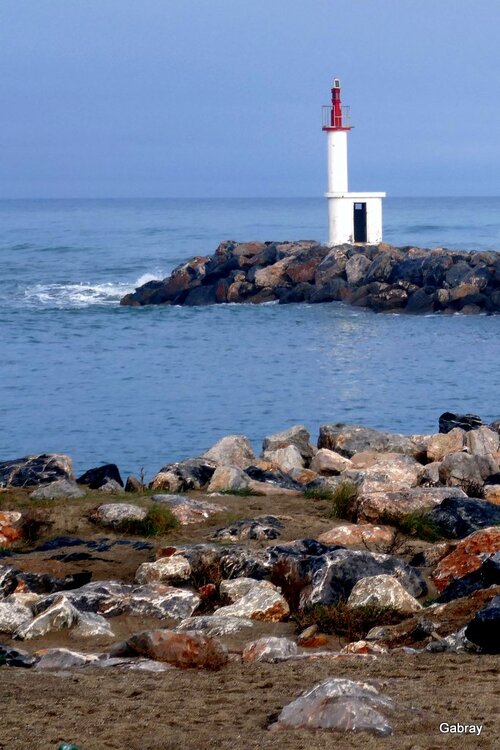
[341,217]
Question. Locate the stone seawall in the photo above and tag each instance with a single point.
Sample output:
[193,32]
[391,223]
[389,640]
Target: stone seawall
[381,277]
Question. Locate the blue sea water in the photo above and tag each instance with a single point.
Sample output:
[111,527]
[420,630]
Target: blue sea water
[142,387]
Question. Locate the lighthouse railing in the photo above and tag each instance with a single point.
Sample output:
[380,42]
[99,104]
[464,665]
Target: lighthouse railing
[329,118]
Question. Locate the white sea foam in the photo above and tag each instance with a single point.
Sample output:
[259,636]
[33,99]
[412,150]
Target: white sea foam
[81,294]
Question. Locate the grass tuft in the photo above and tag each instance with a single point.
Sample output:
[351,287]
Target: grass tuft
[158,521]
[414,524]
[352,623]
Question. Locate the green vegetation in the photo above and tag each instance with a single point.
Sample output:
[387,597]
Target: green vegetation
[352,623]
[318,493]
[414,524]
[158,521]
[340,498]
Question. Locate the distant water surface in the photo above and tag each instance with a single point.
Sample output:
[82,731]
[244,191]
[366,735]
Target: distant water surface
[83,376]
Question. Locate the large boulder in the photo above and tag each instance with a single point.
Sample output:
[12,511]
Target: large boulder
[442,444]
[462,469]
[329,463]
[286,459]
[61,614]
[181,649]
[389,472]
[340,705]
[187,510]
[117,514]
[457,517]
[13,616]
[484,577]
[231,450]
[483,441]
[382,591]
[359,535]
[95,478]
[484,628]
[468,555]
[371,507]
[271,649]
[191,474]
[173,569]
[10,527]
[263,527]
[228,479]
[32,471]
[262,601]
[58,490]
[298,435]
[349,439]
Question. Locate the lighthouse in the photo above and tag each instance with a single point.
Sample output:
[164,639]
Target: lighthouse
[352,217]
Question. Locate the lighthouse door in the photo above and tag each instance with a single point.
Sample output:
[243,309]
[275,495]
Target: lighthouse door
[360,222]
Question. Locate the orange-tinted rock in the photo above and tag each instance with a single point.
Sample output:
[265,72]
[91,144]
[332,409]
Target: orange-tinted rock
[270,649]
[10,529]
[358,534]
[467,556]
[492,493]
[182,650]
[363,647]
[315,641]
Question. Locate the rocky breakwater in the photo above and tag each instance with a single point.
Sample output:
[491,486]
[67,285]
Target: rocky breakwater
[381,277]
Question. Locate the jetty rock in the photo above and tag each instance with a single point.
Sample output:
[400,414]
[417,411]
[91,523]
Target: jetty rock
[381,277]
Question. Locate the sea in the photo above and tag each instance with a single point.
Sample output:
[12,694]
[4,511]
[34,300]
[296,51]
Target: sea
[145,387]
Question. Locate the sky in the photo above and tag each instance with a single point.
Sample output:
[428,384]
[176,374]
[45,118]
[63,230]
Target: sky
[222,98]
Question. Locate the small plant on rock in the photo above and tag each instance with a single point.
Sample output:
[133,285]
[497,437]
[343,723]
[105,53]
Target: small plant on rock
[473,489]
[35,523]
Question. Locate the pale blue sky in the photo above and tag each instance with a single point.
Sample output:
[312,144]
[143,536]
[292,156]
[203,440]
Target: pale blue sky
[207,98]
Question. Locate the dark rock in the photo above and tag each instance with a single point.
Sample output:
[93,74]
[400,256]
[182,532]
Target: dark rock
[298,435]
[12,657]
[420,302]
[448,421]
[32,471]
[191,474]
[302,292]
[457,517]
[483,630]
[277,477]
[487,575]
[333,291]
[8,580]
[97,477]
[43,583]
[201,295]
[263,527]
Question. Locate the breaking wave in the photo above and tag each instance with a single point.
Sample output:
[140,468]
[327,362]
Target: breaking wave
[81,294]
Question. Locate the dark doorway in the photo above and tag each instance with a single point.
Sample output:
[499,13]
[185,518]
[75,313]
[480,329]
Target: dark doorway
[360,222]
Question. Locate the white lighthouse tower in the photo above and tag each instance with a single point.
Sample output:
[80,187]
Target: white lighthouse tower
[352,217]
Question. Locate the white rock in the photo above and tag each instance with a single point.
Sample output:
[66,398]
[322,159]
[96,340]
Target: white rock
[61,614]
[114,514]
[382,591]
[213,625]
[90,625]
[62,658]
[232,450]
[285,459]
[270,649]
[262,601]
[330,463]
[13,616]
[166,569]
[227,478]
